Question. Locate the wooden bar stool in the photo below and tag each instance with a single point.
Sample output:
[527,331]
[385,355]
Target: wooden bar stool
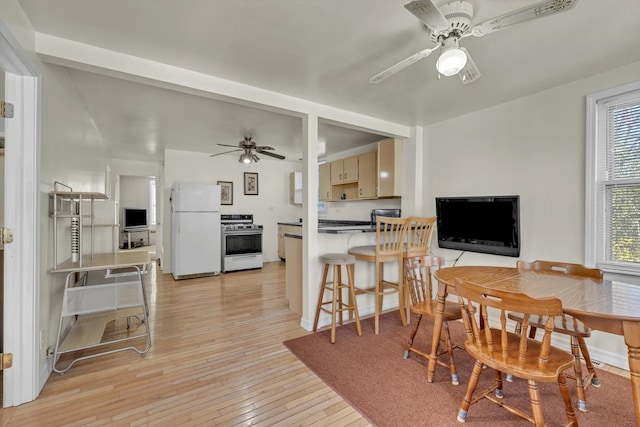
[390,243]
[336,286]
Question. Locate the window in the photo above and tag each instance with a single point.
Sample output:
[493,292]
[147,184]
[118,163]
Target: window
[613,180]
[152,202]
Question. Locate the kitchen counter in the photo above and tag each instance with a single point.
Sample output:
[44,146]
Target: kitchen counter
[335,226]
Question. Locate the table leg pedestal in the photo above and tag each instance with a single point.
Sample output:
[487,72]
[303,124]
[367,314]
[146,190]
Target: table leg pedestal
[632,339]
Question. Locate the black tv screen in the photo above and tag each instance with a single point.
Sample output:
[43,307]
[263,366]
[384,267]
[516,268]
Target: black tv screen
[488,224]
[134,219]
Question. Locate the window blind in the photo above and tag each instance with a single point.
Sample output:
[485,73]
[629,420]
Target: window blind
[618,180]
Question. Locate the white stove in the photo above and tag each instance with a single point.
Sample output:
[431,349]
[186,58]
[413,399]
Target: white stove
[241,242]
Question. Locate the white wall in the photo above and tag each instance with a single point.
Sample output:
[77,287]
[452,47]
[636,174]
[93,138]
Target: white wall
[534,147]
[73,153]
[269,207]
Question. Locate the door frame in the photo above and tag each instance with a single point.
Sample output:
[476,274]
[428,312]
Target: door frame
[22,382]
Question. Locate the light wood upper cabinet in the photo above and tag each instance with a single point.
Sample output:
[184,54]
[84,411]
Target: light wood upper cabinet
[325,182]
[390,168]
[373,175]
[344,170]
[367,174]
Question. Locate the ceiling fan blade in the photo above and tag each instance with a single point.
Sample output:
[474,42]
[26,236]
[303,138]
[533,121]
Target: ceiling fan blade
[227,145]
[537,10]
[266,153]
[226,152]
[264,147]
[429,14]
[401,65]
[469,72]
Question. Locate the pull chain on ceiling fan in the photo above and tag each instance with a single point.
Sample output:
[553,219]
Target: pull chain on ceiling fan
[249,149]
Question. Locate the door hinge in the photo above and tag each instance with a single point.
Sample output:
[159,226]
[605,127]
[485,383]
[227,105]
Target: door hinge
[6,236]
[6,110]
[6,361]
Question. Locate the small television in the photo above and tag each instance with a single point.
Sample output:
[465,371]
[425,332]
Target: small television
[134,219]
[487,224]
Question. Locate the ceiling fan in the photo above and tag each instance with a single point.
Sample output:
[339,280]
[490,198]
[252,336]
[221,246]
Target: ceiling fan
[249,149]
[451,22]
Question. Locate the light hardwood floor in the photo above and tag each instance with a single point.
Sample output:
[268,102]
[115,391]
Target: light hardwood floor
[217,359]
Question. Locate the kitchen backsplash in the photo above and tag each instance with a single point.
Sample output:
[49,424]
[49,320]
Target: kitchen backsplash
[359,210]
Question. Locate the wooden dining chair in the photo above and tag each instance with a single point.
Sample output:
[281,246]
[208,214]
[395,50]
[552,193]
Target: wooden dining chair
[390,240]
[417,271]
[419,232]
[518,355]
[566,325]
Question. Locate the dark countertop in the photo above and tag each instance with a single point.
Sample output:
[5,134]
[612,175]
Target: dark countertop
[336,226]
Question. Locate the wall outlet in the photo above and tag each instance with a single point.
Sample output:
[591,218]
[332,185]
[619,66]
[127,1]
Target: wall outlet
[49,352]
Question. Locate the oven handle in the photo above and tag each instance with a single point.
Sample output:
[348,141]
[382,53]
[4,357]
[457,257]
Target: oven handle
[240,232]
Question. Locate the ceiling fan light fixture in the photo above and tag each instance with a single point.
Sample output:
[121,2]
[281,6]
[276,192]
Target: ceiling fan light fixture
[255,158]
[452,59]
[245,157]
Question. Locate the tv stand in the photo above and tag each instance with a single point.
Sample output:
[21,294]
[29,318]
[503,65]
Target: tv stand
[128,232]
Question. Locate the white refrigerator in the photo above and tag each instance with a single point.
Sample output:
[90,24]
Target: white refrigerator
[195,230]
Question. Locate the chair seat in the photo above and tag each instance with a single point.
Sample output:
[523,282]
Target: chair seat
[368,250]
[428,308]
[567,325]
[337,259]
[529,368]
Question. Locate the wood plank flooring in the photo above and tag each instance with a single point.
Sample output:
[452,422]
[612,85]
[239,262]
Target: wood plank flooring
[216,359]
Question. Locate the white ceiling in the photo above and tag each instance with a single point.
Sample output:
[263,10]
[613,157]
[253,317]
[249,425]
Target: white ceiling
[322,51]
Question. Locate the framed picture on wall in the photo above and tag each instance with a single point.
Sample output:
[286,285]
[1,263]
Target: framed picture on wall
[226,192]
[250,183]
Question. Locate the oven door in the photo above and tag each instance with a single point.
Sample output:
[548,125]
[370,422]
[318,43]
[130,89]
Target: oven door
[236,242]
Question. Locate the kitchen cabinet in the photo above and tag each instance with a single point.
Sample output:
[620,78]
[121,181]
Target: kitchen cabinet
[367,174]
[325,182]
[282,229]
[390,168]
[344,170]
[293,274]
[295,188]
[373,175]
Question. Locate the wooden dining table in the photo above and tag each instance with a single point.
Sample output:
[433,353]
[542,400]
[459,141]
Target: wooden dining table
[603,305]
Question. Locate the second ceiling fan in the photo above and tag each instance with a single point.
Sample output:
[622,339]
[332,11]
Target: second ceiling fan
[250,149]
[451,22]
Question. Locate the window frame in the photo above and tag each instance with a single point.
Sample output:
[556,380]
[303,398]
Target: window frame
[592,203]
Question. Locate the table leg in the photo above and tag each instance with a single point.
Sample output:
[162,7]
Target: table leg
[632,339]
[437,329]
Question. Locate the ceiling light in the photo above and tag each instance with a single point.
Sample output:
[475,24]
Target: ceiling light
[245,157]
[453,59]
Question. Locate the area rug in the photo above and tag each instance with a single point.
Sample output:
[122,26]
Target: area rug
[371,374]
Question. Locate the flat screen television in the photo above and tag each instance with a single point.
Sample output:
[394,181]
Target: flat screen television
[487,224]
[134,219]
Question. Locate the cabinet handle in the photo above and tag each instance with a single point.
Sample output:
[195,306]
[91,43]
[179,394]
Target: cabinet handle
[345,176]
[361,191]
